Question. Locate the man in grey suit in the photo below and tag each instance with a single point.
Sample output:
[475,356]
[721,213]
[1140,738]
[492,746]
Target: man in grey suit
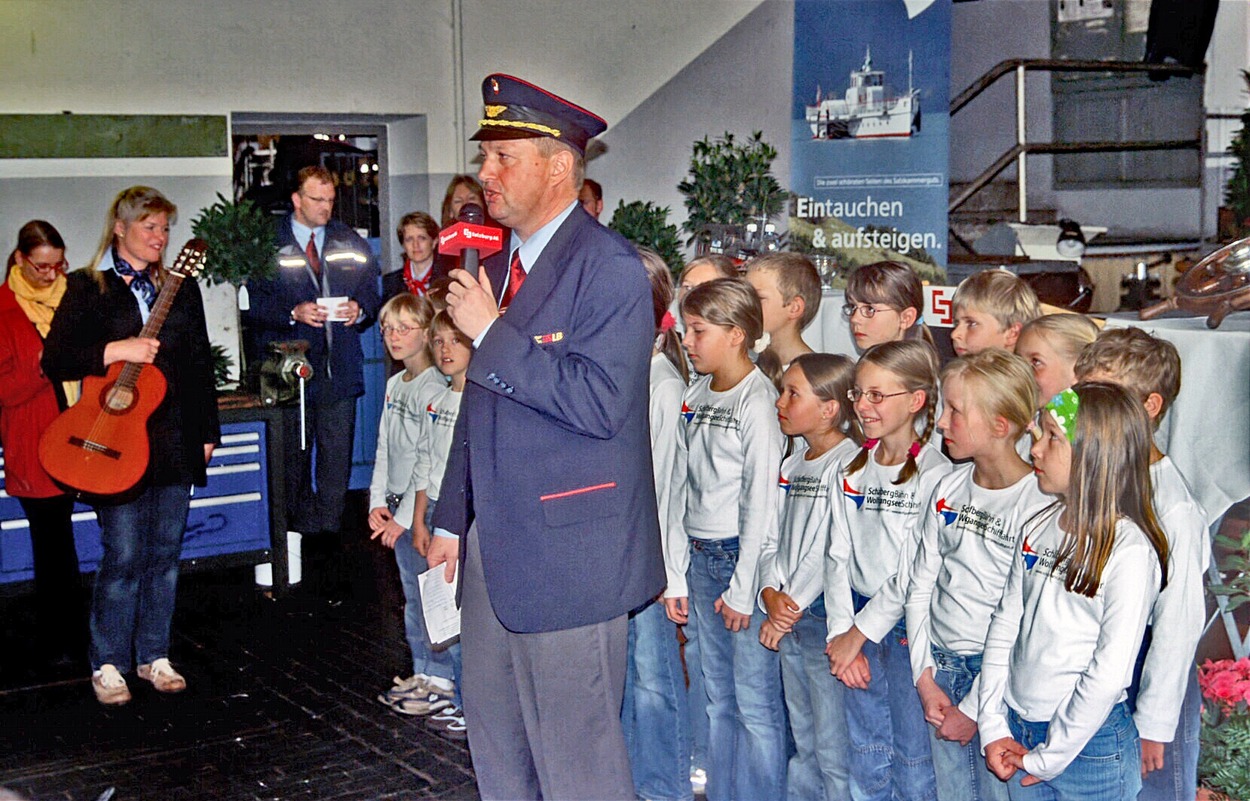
[548,500]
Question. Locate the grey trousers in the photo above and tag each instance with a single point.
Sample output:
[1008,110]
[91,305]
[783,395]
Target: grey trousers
[543,710]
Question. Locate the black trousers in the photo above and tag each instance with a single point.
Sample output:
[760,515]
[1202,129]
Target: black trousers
[331,427]
[60,611]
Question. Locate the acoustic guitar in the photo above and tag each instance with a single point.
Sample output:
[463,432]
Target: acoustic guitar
[99,446]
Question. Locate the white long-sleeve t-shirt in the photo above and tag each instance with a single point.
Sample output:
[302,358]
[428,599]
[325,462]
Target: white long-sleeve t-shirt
[1060,657]
[664,414]
[732,448]
[399,431]
[438,423]
[794,562]
[968,537]
[876,530]
[1179,612]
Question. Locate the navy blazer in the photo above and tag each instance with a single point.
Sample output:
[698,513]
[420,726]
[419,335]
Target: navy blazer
[552,453]
[348,263]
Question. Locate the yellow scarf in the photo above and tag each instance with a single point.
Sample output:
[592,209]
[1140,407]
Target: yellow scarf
[39,306]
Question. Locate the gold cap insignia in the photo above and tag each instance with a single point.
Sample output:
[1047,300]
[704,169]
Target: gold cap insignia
[495,111]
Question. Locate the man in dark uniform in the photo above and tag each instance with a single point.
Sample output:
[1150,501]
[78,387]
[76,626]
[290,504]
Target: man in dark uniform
[318,258]
[548,497]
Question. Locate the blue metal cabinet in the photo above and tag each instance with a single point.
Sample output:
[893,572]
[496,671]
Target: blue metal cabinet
[228,517]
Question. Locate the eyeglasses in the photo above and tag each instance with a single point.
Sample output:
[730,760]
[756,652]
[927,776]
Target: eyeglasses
[401,329]
[43,268]
[848,310]
[871,395]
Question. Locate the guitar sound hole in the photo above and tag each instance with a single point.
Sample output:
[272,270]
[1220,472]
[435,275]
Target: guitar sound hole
[118,400]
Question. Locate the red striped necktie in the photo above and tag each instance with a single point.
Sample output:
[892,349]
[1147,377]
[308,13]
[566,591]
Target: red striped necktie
[516,277]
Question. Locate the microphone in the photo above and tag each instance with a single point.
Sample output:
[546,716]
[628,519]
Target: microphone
[470,239]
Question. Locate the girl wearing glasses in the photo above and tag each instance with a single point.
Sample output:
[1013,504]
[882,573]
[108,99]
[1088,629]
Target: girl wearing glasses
[872,543]
[405,324]
[968,535]
[28,403]
[884,301]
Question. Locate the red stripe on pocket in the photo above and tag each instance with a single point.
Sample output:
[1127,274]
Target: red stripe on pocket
[556,495]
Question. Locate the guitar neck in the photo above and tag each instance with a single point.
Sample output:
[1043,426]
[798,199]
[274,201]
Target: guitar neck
[152,328]
[160,309]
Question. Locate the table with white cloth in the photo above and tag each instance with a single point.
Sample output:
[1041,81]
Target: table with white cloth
[1207,430]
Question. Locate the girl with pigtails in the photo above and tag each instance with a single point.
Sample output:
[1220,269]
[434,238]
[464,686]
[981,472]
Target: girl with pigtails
[875,534]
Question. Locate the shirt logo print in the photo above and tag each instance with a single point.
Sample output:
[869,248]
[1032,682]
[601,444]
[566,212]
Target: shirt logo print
[948,513]
[853,494]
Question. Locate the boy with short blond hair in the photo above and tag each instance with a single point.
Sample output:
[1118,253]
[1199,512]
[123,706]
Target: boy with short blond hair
[789,290]
[1150,368]
[990,308]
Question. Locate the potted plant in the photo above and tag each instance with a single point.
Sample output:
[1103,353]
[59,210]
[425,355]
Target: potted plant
[241,241]
[646,224]
[731,183]
[241,244]
[1224,756]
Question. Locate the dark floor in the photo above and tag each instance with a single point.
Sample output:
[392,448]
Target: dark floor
[280,704]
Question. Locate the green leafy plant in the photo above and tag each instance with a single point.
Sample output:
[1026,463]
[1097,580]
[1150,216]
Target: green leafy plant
[241,241]
[1237,193]
[221,367]
[1235,568]
[730,183]
[646,224]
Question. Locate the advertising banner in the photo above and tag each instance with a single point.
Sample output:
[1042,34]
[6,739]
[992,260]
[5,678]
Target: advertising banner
[870,124]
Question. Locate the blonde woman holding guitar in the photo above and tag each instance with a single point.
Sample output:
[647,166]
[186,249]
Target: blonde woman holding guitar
[111,313]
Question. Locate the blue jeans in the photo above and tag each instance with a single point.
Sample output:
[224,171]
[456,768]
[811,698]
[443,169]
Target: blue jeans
[1107,769]
[961,771]
[890,756]
[820,768]
[696,700]
[132,605]
[444,664]
[654,714]
[1178,778]
[746,725]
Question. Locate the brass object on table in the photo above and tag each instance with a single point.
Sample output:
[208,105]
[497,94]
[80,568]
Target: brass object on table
[1216,286]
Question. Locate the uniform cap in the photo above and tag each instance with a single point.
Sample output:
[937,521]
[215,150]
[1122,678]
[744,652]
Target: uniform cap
[517,109]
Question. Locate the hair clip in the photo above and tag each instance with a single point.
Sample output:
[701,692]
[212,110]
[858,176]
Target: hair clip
[869,444]
[667,322]
[762,343]
[914,450]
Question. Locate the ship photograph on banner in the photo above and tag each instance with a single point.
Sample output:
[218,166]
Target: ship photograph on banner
[869,126]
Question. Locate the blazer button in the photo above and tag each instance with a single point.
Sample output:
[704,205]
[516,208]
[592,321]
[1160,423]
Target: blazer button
[490,376]
[508,390]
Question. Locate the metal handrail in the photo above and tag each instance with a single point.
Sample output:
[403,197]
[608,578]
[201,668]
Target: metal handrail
[1021,150]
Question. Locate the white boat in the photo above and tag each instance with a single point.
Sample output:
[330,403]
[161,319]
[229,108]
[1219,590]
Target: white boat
[867,111]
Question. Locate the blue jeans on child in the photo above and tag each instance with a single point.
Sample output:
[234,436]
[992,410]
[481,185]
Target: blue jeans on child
[654,715]
[819,770]
[444,664]
[961,771]
[132,605]
[1107,769]
[1178,778]
[746,723]
[890,756]
[696,700]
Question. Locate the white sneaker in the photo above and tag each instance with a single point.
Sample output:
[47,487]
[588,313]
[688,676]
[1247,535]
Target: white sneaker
[110,687]
[163,676]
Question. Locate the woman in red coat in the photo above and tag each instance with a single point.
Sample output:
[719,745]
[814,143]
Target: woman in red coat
[28,403]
